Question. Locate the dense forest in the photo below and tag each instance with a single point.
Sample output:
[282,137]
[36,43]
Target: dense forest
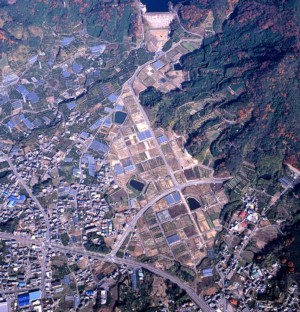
[247,72]
[244,82]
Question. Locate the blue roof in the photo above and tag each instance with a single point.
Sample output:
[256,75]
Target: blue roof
[133,279]
[113,98]
[129,168]
[84,134]
[99,146]
[90,292]
[162,139]
[158,65]
[28,123]
[22,284]
[98,49]
[39,83]
[17,104]
[33,97]
[66,41]
[10,124]
[35,295]
[13,197]
[207,272]
[33,59]
[176,196]
[21,89]
[76,302]
[173,238]
[119,107]
[107,122]
[46,120]
[22,198]
[118,169]
[51,60]
[71,105]
[77,68]
[91,159]
[144,135]
[76,171]
[87,158]
[173,198]
[67,280]
[12,203]
[23,300]
[96,125]
[66,73]
[170,199]
[92,169]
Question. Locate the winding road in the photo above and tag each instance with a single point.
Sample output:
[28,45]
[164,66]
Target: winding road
[180,187]
[120,261]
[46,244]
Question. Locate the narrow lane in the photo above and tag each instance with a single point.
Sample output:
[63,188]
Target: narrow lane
[46,219]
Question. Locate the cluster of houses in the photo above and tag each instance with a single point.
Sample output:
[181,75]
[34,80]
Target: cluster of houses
[248,217]
[12,202]
[94,212]
[15,207]
[246,286]
[250,285]
[21,274]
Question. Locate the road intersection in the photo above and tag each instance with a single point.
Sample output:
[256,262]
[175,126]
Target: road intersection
[180,187]
[112,259]
[46,219]
[44,245]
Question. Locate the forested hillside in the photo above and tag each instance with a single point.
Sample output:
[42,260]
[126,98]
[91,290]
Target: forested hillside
[245,80]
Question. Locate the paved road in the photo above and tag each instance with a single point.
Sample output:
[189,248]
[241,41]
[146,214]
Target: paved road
[192,294]
[141,109]
[170,171]
[180,187]
[45,216]
[120,261]
[45,244]
[24,240]
[42,210]
[157,56]
[131,263]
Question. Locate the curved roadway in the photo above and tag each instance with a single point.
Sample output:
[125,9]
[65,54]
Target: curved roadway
[133,222]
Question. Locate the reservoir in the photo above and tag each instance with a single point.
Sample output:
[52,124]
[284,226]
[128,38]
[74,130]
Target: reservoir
[119,117]
[137,185]
[161,5]
[193,203]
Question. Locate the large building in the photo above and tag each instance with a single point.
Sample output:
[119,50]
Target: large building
[26,298]
[3,307]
